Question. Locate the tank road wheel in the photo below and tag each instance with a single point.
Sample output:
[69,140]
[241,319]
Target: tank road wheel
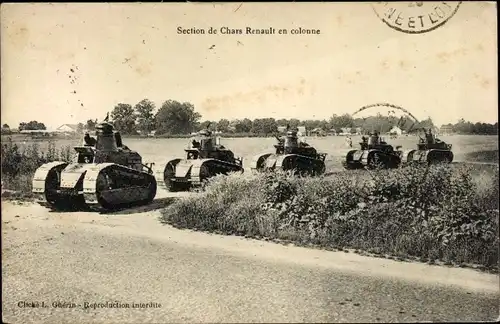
[375,161]
[152,190]
[320,169]
[449,157]
[52,183]
[168,174]
[57,201]
[289,166]
[347,159]
[205,176]
[435,158]
[104,182]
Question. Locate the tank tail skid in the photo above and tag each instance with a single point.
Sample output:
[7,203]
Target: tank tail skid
[183,175]
[99,187]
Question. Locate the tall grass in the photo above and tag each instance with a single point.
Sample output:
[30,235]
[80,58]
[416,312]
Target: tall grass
[443,213]
[19,166]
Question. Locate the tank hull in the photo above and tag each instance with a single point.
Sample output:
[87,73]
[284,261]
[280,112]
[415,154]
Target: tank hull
[103,186]
[296,163]
[185,174]
[370,159]
[432,156]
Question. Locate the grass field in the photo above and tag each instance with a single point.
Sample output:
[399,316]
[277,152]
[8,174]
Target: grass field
[160,150]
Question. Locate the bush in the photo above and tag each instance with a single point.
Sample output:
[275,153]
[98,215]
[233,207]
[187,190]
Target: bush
[19,166]
[443,212]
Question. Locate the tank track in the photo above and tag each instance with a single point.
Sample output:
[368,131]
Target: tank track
[299,164]
[352,163]
[194,173]
[369,159]
[432,156]
[96,187]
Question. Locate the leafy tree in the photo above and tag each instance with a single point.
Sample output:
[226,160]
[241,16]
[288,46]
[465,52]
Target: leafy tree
[243,126]
[145,116]
[207,124]
[265,126]
[80,127]
[176,118]
[427,123]
[282,122]
[5,129]
[294,122]
[32,125]
[223,125]
[343,121]
[124,118]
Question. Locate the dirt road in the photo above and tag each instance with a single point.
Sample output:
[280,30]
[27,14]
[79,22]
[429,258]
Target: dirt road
[128,257]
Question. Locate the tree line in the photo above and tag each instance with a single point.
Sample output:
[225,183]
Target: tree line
[176,118]
[180,118]
[465,127]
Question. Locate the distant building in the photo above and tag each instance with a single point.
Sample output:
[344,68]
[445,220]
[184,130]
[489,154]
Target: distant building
[395,130]
[67,128]
[345,131]
[317,132]
[333,132]
[446,129]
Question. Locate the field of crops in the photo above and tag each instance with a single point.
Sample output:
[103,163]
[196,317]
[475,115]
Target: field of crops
[160,150]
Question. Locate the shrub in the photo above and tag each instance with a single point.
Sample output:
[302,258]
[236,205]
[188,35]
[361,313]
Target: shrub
[19,166]
[442,212]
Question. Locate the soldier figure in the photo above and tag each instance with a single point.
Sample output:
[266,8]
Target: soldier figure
[195,144]
[429,137]
[348,141]
[374,139]
[89,141]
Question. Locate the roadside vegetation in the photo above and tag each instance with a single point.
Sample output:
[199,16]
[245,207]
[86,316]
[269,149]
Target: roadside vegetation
[445,214]
[19,166]
[442,214]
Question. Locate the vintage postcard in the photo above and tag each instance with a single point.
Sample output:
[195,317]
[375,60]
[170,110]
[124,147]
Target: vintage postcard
[249,162]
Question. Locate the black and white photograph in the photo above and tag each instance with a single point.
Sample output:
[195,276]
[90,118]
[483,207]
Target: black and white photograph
[238,162]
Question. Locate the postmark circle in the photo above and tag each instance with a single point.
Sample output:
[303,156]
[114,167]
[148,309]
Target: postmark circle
[415,17]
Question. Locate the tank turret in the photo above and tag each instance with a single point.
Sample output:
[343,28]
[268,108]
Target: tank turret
[106,139]
[374,139]
[206,140]
[291,141]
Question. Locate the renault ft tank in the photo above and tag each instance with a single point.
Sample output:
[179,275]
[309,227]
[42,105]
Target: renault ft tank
[205,158]
[430,150]
[374,153]
[291,156]
[105,175]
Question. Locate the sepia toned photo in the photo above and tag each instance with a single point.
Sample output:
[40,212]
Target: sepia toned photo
[331,162]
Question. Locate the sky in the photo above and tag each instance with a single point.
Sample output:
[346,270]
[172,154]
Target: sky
[123,53]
